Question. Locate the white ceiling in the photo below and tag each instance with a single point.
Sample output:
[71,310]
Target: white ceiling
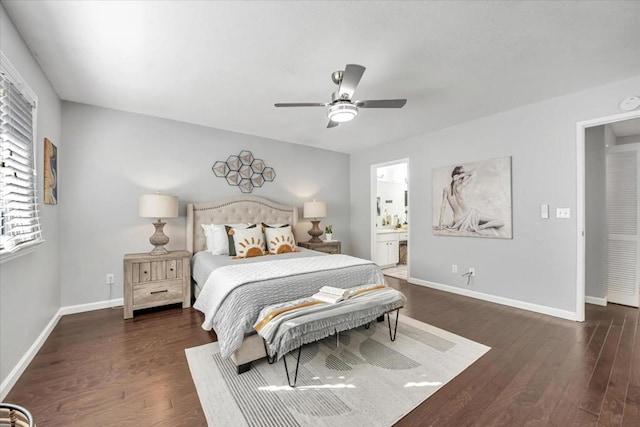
[224,64]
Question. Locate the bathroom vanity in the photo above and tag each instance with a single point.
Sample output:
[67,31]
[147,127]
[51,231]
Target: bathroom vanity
[388,244]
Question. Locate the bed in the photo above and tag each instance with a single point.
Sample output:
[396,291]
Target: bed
[231,292]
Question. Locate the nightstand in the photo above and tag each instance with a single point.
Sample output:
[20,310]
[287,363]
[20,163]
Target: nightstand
[155,280]
[331,247]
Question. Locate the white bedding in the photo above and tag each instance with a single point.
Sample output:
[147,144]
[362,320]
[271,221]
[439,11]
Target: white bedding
[233,295]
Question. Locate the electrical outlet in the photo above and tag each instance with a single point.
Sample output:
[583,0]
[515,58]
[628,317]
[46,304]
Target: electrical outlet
[472,271]
[454,268]
[110,279]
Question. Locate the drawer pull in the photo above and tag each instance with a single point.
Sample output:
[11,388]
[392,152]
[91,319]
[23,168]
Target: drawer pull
[171,269]
[159,292]
[145,272]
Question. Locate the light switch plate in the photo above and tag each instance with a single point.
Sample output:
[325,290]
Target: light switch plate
[563,213]
[544,211]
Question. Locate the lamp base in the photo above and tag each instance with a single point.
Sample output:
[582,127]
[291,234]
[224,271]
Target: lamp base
[315,232]
[159,239]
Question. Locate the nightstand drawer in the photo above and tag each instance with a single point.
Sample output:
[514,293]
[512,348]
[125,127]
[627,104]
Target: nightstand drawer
[328,247]
[158,293]
[143,272]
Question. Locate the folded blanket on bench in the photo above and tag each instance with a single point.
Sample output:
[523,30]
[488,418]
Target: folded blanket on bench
[287,326]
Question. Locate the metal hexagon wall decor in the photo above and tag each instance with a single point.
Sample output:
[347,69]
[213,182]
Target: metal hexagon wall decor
[244,171]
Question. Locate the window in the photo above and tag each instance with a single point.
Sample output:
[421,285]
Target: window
[19,222]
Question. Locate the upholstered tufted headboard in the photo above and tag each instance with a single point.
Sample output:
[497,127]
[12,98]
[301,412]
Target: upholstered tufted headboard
[238,209]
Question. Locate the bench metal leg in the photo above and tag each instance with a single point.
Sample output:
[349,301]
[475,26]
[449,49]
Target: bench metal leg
[271,360]
[286,369]
[395,329]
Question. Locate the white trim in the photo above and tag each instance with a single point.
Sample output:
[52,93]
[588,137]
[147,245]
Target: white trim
[373,188]
[580,201]
[596,300]
[21,250]
[22,364]
[543,309]
[81,308]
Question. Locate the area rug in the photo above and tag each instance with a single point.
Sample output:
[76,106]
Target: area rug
[357,378]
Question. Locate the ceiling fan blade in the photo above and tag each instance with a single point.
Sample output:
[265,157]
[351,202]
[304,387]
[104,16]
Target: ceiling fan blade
[381,103]
[350,79]
[332,124]
[302,104]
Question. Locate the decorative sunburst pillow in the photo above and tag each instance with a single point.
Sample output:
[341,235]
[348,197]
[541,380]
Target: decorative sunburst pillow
[279,238]
[247,242]
[229,233]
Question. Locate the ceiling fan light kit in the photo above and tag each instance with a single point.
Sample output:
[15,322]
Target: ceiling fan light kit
[342,112]
[342,108]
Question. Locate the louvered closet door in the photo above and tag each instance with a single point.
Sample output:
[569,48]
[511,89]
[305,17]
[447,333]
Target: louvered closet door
[623,248]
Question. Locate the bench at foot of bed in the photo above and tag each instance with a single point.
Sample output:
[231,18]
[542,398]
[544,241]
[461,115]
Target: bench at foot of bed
[287,329]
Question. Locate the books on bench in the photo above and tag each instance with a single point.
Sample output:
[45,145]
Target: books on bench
[331,295]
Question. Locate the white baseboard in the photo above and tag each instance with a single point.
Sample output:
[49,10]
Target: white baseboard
[556,312]
[14,375]
[596,300]
[81,308]
[22,364]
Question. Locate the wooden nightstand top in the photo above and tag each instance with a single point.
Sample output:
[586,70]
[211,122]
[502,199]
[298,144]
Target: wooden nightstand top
[143,257]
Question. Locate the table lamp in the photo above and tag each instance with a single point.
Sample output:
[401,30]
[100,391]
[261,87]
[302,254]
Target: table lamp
[158,206]
[315,210]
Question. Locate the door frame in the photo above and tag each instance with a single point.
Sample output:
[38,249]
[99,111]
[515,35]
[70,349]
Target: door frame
[581,128]
[372,206]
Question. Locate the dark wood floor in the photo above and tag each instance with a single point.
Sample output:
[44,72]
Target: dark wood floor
[96,369]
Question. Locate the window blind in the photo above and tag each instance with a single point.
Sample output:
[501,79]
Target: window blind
[19,219]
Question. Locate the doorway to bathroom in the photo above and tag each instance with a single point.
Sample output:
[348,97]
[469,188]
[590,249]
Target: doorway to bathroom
[390,217]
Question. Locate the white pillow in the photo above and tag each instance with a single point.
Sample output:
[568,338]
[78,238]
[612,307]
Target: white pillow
[280,240]
[248,242]
[217,239]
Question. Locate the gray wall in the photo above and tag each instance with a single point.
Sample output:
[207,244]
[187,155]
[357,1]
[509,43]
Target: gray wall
[112,157]
[631,139]
[595,212]
[538,265]
[29,285]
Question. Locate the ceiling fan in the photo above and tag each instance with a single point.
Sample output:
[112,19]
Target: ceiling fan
[342,108]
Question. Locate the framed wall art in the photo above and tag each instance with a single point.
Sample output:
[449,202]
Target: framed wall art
[50,173]
[473,199]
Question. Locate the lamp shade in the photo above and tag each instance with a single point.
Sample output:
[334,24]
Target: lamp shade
[158,206]
[315,209]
